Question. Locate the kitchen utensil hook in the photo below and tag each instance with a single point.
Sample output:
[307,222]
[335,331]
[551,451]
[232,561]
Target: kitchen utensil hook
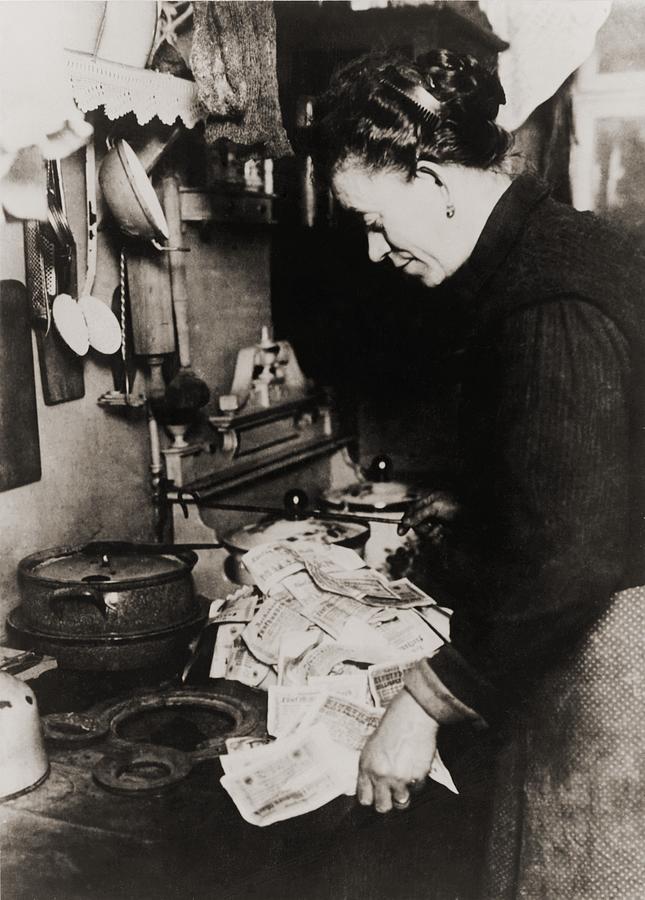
[183,502]
[159,246]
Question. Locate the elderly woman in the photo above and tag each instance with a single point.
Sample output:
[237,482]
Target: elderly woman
[542,549]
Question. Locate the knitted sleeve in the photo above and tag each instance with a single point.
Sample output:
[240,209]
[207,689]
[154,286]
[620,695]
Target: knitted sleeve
[556,518]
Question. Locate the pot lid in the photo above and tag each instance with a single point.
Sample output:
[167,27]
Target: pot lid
[106,563]
[267,531]
[369,496]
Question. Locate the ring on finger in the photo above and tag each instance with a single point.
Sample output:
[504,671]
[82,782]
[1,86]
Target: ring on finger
[401,803]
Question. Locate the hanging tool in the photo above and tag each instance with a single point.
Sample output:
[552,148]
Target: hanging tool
[151,312]
[103,329]
[186,393]
[61,371]
[19,445]
[125,374]
[68,317]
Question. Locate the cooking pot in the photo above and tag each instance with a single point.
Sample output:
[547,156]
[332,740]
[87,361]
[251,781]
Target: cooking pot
[130,195]
[107,589]
[385,549]
[270,530]
[113,653]
[369,497]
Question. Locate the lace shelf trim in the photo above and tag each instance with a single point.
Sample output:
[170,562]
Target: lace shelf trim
[123,89]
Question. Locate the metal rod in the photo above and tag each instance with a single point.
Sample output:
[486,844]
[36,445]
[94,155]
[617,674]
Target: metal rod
[110,547]
[352,517]
[236,507]
[172,548]
[272,510]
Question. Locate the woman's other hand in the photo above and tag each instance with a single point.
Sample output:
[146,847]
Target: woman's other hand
[430,515]
[398,756]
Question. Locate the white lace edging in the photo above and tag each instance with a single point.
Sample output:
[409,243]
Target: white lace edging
[123,89]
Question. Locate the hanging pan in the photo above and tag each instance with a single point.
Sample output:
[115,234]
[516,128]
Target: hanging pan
[131,196]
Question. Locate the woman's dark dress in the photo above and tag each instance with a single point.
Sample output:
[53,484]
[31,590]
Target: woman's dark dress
[548,646]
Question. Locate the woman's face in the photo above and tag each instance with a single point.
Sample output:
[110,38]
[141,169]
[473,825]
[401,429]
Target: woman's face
[405,220]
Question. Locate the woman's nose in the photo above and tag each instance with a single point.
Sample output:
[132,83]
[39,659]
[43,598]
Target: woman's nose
[377,246]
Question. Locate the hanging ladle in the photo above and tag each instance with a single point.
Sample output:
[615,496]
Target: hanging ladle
[103,328]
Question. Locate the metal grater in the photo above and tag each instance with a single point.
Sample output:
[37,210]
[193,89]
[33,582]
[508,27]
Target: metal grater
[49,260]
[38,275]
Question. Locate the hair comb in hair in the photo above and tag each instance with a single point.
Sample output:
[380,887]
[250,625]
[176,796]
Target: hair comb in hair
[420,101]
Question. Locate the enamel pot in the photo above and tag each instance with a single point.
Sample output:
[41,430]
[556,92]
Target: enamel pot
[106,590]
[386,550]
[268,531]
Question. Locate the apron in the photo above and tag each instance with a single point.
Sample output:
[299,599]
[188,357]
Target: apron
[569,804]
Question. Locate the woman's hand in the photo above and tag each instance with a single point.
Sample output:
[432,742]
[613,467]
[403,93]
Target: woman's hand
[430,515]
[398,756]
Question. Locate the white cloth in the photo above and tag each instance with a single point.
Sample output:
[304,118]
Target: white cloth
[38,116]
[37,103]
[122,89]
[45,89]
[549,39]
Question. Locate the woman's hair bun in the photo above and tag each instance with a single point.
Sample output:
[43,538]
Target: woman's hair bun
[463,83]
[373,111]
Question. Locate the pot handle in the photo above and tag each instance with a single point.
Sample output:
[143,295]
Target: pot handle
[78,593]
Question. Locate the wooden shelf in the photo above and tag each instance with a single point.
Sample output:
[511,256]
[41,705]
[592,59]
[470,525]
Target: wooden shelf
[221,205]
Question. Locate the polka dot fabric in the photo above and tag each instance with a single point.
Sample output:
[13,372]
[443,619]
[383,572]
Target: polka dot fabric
[569,818]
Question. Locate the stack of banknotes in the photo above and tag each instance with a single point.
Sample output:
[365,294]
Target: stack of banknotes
[329,639]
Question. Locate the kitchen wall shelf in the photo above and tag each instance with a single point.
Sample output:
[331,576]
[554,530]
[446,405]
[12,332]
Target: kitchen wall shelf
[227,205]
[240,445]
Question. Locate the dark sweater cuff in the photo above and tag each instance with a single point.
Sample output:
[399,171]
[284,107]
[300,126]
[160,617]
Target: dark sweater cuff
[448,689]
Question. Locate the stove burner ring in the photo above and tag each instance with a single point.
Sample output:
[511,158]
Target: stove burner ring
[134,761]
[238,716]
[141,770]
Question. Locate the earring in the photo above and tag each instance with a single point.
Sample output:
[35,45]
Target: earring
[450,210]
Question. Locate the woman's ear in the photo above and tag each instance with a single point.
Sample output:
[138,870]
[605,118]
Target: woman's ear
[426,169]
[432,171]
